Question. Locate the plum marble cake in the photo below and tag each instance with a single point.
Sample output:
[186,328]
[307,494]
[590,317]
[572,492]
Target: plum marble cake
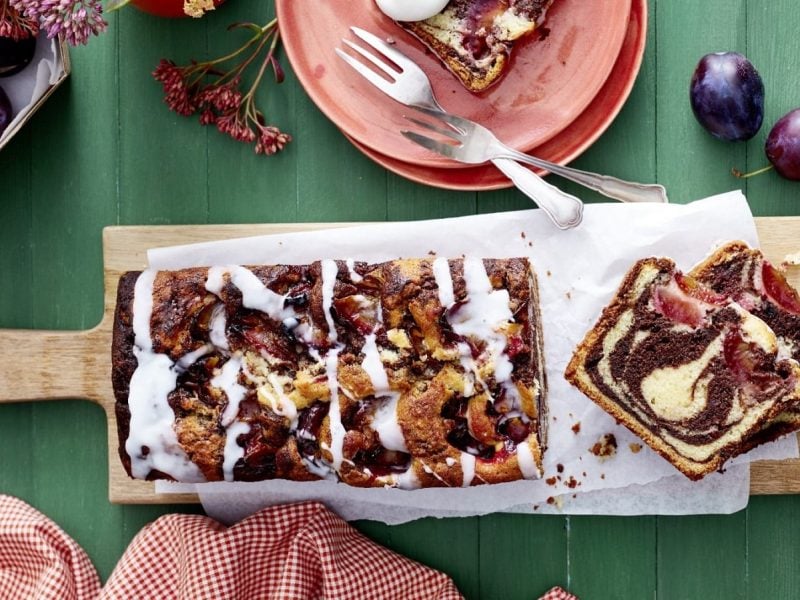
[743,274]
[475,38]
[685,368]
[409,373]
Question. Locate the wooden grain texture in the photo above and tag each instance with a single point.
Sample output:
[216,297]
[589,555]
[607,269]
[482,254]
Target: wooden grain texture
[77,364]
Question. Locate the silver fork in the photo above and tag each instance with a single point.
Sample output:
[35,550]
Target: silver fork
[411,87]
[476,145]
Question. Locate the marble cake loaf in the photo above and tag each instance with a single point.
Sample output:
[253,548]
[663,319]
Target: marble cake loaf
[475,38]
[687,369]
[745,275]
[409,373]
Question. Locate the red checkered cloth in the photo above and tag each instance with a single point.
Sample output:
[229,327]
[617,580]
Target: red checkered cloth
[38,560]
[284,552]
[558,593]
[292,551]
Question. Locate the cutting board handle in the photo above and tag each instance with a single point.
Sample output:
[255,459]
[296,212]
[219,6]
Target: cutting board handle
[53,365]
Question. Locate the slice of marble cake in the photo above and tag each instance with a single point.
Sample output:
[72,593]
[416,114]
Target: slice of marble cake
[687,369]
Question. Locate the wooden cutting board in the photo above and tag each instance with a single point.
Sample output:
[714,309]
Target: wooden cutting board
[78,364]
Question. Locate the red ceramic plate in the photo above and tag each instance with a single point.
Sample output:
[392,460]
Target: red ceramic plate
[549,83]
[565,146]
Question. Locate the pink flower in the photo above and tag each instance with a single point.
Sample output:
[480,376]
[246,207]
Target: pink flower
[271,140]
[14,25]
[75,20]
[176,92]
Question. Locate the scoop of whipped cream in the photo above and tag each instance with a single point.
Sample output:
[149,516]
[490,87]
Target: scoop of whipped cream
[411,10]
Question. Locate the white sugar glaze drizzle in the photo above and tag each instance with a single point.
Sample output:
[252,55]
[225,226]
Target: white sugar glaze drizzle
[444,282]
[217,329]
[334,411]
[152,418]
[228,381]
[481,316]
[385,424]
[468,468]
[255,295]
[406,481]
[373,365]
[329,272]
[526,462]
[280,403]
[384,421]
[351,266]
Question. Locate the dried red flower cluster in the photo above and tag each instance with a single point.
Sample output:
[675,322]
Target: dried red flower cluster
[221,102]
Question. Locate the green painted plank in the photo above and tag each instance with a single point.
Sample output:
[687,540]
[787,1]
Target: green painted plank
[691,163]
[335,182]
[244,187]
[773,528]
[773,47]
[16,292]
[163,156]
[449,545]
[612,557]
[690,548]
[408,201]
[522,556]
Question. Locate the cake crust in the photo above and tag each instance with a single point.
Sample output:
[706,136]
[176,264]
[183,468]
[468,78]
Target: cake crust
[420,398]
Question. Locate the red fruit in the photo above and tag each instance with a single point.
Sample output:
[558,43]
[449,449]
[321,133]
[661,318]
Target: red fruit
[783,145]
[779,290]
[677,306]
[695,290]
[358,312]
[515,346]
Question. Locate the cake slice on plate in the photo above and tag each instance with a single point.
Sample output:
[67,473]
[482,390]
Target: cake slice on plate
[687,369]
[745,275]
[475,38]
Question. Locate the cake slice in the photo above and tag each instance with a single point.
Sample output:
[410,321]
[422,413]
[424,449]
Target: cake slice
[743,274]
[475,38]
[686,369]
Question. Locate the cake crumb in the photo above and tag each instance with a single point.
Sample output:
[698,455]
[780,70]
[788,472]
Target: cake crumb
[605,448]
[576,429]
[602,475]
[522,233]
[560,468]
[791,260]
[530,244]
[635,448]
[550,481]
[549,274]
[551,500]
[568,295]
[571,483]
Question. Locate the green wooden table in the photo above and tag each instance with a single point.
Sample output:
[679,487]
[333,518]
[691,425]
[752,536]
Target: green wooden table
[105,150]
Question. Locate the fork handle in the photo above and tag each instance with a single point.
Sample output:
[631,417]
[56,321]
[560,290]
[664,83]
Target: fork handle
[611,187]
[565,210]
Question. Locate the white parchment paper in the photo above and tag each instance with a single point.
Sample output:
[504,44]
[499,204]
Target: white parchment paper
[26,87]
[579,271]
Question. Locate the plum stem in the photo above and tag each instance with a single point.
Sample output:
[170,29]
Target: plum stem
[737,173]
